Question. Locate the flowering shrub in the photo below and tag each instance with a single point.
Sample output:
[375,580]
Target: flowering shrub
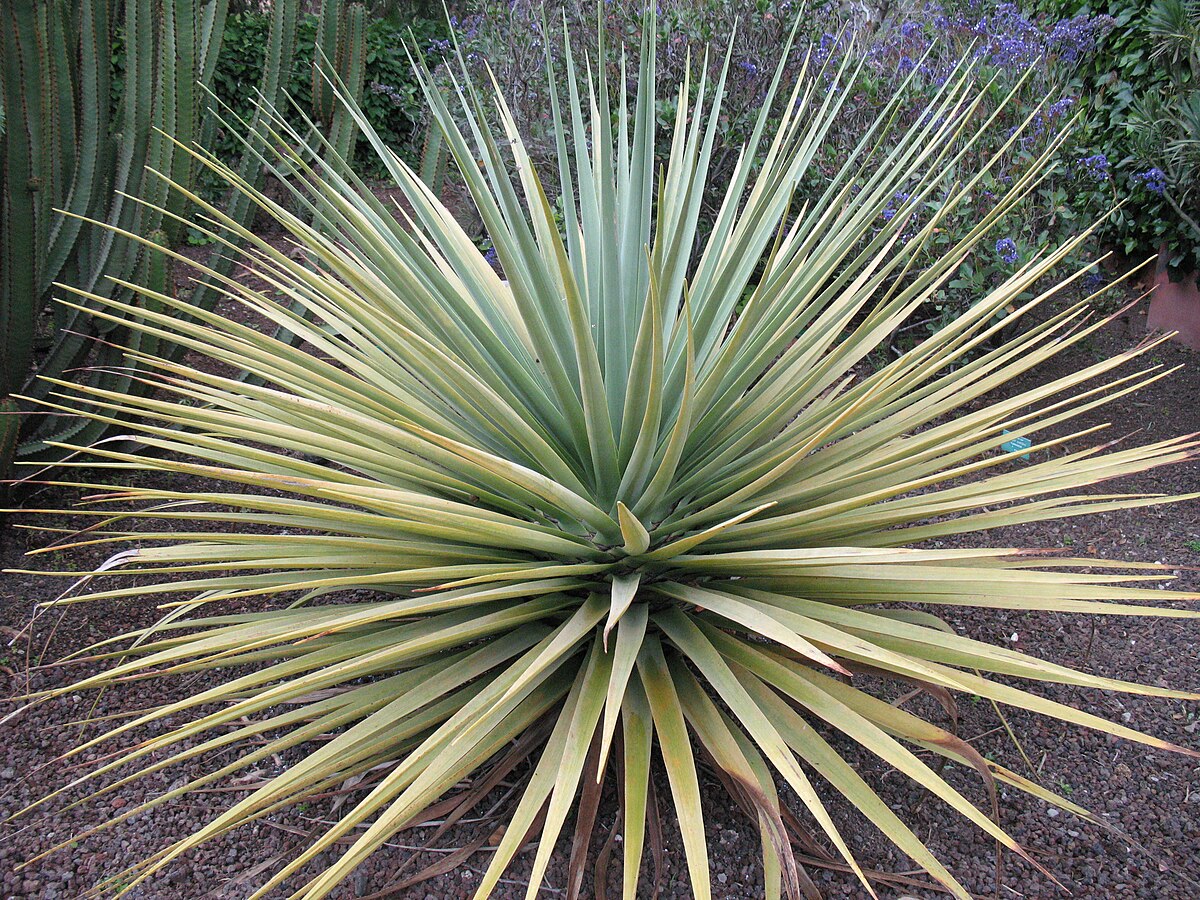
[910,54]
[1167,122]
[1143,109]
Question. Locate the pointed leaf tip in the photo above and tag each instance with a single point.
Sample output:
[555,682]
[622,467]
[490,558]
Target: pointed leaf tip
[637,538]
[624,589]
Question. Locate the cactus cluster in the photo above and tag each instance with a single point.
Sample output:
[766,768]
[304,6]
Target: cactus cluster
[71,156]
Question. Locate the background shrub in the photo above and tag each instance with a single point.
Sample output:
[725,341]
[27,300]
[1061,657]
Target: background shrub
[1124,85]
[909,51]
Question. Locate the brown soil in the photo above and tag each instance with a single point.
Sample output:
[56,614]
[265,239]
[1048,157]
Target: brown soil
[1152,797]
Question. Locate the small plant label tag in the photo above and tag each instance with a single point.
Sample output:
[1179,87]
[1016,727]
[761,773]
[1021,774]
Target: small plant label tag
[1014,445]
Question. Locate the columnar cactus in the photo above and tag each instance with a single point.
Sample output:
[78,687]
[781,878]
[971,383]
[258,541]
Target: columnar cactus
[70,155]
[349,60]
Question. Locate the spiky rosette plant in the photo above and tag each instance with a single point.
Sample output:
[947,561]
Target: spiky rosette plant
[642,492]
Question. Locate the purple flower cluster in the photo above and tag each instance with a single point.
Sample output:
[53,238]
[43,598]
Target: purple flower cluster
[1095,166]
[1010,40]
[1060,107]
[827,49]
[386,90]
[1044,118]
[889,211]
[1154,180]
[1013,41]
[1073,38]
[1006,249]
[1005,38]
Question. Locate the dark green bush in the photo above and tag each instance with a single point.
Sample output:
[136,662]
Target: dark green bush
[1117,84]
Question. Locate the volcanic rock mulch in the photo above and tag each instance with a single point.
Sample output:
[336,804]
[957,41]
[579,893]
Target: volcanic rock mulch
[1153,798]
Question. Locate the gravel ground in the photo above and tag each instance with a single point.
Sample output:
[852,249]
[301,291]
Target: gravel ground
[1154,798]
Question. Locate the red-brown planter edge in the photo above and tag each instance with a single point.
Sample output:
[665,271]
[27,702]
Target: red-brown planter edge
[1175,305]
